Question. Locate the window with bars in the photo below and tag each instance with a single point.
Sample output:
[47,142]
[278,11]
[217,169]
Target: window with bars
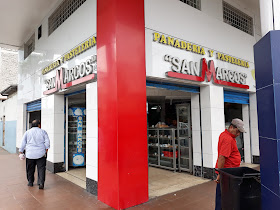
[193,3]
[237,19]
[29,46]
[64,10]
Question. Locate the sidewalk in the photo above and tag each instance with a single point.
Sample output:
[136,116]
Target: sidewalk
[62,194]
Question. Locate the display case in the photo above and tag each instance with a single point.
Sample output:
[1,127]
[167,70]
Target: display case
[185,154]
[163,148]
[76,137]
[184,138]
[170,148]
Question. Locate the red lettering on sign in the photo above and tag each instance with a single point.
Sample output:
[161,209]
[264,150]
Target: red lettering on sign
[209,70]
[59,79]
[60,85]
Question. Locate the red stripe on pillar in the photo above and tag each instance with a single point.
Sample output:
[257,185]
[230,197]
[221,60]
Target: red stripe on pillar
[122,118]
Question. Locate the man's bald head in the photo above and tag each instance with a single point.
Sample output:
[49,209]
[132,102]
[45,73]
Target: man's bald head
[36,123]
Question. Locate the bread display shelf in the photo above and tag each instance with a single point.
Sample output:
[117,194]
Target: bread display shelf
[169,150]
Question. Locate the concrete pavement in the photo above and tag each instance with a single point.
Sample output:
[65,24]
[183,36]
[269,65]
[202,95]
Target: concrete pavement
[62,194]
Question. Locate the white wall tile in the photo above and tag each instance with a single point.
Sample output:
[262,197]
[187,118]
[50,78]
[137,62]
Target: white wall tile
[92,123]
[216,96]
[91,96]
[58,104]
[197,159]
[48,123]
[50,156]
[253,101]
[217,119]
[195,101]
[255,150]
[208,160]
[195,113]
[212,96]
[196,139]
[59,123]
[255,141]
[58,143]
[247,155]
[245,115]
[92,172]
[254,118]
[205,97]
[207,142]
[206,119]
[58,158]
[92,151]
[247,147]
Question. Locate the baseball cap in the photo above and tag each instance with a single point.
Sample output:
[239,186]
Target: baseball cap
[239,124]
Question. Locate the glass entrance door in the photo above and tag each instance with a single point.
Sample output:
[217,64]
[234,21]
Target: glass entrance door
[184,137]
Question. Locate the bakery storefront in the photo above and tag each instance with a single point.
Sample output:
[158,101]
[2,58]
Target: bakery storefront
[184,81]
[169,126]
[199,76]
[68,77]
[193,93]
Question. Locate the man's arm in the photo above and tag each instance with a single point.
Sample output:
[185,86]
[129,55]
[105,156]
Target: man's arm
[23,143]
[47,141]
[221,163]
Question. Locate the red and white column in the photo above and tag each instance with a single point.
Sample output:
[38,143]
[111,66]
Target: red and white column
[122,118]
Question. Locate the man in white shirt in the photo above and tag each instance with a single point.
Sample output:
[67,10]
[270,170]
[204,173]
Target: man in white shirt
[36,143]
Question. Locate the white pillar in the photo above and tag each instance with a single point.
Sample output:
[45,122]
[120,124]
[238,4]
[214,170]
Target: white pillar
[52,120]
[270,15]
[196,137]
[92,132]
[213,123]
[254,125]
[247,135]
[21,123]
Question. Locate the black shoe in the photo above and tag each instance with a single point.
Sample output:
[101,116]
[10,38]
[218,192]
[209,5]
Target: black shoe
[41,186]
[30,184]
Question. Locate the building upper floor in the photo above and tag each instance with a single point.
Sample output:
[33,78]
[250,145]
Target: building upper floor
[230,27]
[8,71]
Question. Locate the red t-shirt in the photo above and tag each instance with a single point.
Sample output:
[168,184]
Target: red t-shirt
[227,147]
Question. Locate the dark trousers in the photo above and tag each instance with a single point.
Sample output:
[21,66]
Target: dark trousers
[218,198]
[41,168]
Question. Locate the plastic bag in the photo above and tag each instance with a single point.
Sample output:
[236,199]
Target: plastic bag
[21,156]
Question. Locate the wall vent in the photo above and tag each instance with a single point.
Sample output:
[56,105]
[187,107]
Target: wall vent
[29,46]
[63,11]
[237,18]
[193,3]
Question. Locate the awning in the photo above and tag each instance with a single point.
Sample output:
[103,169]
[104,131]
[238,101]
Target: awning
[9,90]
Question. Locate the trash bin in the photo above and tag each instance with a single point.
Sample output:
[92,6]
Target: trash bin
[240,188]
